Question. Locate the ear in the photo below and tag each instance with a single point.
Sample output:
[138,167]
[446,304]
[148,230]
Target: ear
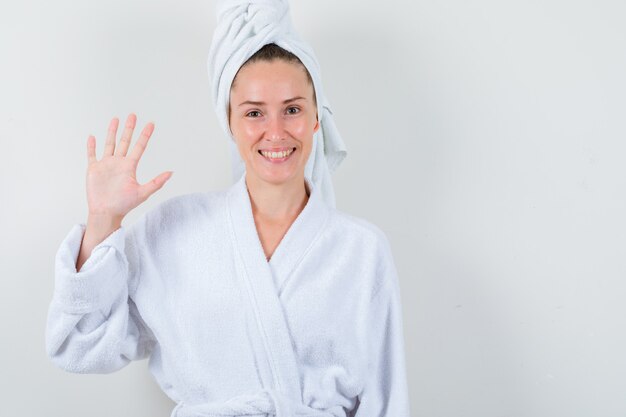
[317,124]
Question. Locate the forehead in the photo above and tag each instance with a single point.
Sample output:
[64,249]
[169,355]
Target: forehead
[270,78]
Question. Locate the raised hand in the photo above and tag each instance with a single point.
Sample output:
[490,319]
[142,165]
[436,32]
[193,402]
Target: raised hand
[112,187]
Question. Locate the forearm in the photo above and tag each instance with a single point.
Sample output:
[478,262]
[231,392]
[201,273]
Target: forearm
[98,228]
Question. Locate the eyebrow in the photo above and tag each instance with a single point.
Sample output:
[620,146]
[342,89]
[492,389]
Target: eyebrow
[260,103]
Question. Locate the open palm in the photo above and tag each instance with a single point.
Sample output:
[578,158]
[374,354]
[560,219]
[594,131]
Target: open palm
[112,187]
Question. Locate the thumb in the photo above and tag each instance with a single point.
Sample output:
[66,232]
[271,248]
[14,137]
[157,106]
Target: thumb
[147,189]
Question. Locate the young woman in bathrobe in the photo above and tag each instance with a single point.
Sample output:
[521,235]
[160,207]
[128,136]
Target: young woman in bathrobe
[255,300]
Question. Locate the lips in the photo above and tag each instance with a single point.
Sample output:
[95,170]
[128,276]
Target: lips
[277,154]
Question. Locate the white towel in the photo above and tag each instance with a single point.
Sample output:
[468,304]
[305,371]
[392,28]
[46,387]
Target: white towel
[244,27]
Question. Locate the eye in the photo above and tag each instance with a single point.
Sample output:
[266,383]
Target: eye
[298,110]
[253,111]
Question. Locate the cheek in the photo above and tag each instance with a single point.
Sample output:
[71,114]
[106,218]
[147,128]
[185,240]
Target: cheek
[303,128]
[251,129]
[246,132]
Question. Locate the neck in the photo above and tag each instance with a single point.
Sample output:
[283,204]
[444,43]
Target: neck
[277,203]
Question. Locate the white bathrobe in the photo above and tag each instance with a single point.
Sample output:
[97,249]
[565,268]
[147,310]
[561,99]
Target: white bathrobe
[316,331]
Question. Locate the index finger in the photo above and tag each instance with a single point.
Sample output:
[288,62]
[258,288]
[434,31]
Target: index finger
[142,142]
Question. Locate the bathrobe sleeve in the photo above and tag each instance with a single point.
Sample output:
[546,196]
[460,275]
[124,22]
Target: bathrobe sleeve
[385,393]
[93,325]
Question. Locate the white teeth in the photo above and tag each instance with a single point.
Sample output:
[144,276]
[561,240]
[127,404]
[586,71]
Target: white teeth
[281,154]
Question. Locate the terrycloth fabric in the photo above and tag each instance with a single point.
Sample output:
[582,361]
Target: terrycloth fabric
[316,331]
[244,27]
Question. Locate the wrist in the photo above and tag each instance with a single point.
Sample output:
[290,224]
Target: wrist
[103,222]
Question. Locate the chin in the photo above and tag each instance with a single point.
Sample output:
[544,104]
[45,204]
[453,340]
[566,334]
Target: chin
[276,177]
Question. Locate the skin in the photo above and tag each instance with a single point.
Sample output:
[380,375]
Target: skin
[277,190]
[112,187]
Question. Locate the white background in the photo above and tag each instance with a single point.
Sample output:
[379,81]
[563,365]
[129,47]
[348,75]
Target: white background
[486,138]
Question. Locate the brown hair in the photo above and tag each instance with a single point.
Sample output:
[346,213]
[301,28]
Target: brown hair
[271,52]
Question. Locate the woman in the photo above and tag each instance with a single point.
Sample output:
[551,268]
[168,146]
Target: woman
[257,300]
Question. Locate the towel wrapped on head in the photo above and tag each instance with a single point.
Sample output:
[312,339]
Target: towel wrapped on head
[244,27]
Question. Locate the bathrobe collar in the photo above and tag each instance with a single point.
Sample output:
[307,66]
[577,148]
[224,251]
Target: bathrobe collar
[294,243]
[262,283]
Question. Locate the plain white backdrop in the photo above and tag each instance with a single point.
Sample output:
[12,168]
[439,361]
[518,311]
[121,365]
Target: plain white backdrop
[486,138]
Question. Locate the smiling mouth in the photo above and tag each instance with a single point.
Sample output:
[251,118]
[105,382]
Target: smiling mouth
[274,156]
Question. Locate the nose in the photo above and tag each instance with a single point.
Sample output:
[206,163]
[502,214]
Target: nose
[275,128]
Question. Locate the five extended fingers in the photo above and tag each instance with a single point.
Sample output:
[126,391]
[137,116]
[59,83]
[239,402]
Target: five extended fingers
[121,149]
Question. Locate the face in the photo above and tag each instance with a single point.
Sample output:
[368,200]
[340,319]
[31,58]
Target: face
[272,111]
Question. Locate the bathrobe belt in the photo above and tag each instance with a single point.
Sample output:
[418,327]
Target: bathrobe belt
[265,402]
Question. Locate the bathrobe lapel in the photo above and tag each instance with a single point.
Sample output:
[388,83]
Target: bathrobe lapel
[263,281]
